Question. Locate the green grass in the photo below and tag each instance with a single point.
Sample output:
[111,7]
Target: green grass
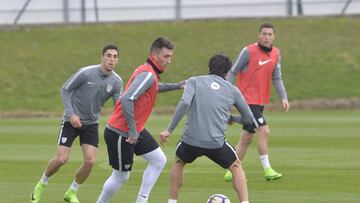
[320,55]
[316,151]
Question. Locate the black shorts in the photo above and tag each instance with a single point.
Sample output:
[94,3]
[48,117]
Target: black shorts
[121,153]
[224,156]
[89,134]
[257,111]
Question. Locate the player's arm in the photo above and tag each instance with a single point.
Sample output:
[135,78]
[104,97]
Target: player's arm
[66,90]
[240,65]
[181,109]
[246,117]
[279,85]
[139,85]
[165,87]
[118,90]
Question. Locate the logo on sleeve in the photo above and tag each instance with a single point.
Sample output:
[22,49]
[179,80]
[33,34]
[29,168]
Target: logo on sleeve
[215,86]
[264,62]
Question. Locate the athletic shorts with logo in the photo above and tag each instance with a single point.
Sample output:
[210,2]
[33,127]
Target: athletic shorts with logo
[257,111]
[121,153]
[89,134]
[224,156]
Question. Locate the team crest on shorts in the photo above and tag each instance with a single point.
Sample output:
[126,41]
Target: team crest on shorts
[127,166]
[261,120]
[108,88]
[63,139]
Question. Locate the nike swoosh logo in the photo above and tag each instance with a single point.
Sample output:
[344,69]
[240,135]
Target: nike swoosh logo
[91,83]
[264,62]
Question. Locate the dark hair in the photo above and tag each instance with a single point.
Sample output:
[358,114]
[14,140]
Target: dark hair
[110,46]
[267,25]
[219,64]
[161,42]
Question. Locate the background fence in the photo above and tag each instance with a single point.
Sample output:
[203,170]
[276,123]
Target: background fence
[84,11]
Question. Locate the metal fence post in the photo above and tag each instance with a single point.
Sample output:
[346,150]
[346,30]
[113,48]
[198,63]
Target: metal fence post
[96,11]
[66,11]
[83,11]
[289,7]
[300,8]
[178,10]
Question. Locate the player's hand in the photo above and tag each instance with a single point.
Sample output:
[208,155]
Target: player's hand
[164,135]
[230,121]
[183,84]
[131,140]
[286,105]
[75,121]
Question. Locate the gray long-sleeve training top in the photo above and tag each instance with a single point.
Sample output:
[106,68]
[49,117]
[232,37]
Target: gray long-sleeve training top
[208,100]
[241,64]
[86,92]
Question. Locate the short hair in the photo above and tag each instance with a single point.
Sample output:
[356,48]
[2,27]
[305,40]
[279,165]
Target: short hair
[219,64]
[161,42]
[267,25]
[110,46]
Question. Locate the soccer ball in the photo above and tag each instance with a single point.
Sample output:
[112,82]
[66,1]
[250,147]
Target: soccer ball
[218,198]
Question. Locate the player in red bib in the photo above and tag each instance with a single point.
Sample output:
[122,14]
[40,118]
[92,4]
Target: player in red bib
[125,133]
[257,65]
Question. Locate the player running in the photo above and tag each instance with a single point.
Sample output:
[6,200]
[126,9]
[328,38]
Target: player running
[83,96]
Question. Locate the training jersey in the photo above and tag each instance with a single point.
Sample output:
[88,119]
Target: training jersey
[208,101]
[254,69]
[86,92]
[142,99]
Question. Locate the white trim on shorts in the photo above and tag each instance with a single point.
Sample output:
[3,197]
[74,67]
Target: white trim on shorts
[231,149]
[178,145]
[61,130]
[119,152]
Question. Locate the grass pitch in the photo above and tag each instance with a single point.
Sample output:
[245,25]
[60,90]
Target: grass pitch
[317,152]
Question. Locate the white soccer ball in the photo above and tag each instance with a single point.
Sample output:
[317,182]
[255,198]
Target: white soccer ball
[218,198]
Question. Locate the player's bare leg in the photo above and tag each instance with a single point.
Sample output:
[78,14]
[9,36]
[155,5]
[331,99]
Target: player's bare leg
[262,145]
[89,158]
[269,173]
[243,144]
[241,149]
[62,156]
[54,164]
[239,181]
[176,178]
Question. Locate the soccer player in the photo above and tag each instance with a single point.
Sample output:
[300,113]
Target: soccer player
[83,95]
[257,65]
[208,101]
[125,133]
